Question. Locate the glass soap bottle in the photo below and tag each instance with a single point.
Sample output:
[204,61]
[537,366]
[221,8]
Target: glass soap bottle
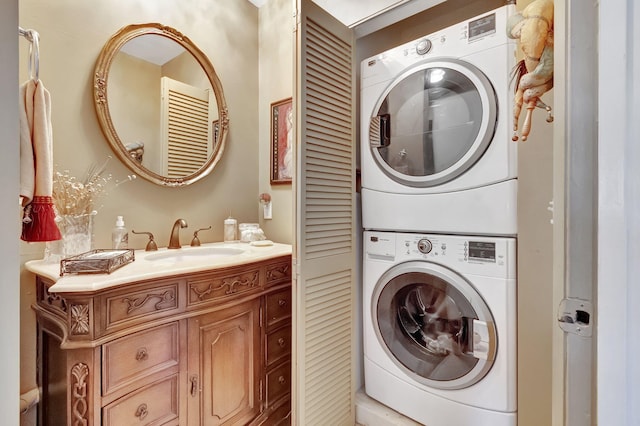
[230,230]
[119,235]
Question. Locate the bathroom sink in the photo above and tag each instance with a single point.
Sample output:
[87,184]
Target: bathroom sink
[194,253]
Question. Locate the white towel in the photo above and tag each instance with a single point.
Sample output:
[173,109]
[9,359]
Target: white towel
[36,163]
[27,166]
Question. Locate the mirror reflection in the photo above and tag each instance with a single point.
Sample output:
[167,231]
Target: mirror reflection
[160,104]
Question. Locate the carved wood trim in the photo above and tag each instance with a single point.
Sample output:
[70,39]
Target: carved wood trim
[80,319]
[79,406]
[100,88]
[136,303]
[54,300]
[223,287]
[278,272]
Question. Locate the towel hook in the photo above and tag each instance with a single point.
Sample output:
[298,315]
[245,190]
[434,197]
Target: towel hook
[34,52]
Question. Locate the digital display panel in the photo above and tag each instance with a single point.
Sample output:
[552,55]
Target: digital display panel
[479,250]
[482,26]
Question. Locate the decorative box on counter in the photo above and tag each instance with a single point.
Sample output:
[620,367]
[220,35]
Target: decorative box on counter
[99,261]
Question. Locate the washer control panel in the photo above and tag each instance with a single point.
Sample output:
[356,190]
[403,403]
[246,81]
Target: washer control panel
[471,254]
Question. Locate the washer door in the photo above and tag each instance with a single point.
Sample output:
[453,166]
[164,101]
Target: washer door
[433,123]
[434,325]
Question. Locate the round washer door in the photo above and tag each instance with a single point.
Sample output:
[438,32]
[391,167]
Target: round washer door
[434,325]
[433,123]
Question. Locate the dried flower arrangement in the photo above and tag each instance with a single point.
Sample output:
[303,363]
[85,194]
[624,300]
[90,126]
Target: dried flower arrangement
[74,197]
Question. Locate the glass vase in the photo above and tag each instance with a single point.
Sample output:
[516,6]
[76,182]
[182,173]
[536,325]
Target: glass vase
[77,237]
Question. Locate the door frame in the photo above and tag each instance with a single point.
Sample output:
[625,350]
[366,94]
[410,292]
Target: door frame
[606,104]
[575,209]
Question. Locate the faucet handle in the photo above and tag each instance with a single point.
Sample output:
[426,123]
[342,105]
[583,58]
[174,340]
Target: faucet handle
[196,241]
[151,245]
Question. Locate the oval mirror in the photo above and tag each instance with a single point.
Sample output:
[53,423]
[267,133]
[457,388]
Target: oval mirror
[160,104]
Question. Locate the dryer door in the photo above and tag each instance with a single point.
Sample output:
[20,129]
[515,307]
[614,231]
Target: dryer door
[434,325]
[433,123]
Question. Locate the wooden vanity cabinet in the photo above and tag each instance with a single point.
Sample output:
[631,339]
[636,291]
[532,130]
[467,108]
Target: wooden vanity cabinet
[209,348]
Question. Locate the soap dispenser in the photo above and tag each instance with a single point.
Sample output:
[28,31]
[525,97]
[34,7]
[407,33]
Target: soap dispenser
[119,235]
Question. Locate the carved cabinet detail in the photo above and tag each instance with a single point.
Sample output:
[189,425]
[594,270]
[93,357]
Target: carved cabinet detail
[208,348]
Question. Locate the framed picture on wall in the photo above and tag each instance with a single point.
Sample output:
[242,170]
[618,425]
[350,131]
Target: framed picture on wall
[281,141]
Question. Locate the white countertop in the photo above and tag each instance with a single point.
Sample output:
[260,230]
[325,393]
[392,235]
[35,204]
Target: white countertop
[143,269]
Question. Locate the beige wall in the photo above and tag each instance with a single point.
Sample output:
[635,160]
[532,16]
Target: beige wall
[134,105]
[276,83]
[72,35]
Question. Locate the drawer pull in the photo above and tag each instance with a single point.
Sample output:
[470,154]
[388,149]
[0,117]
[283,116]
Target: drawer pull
[282,380]
[281,342]
[142,411]
[142,354]
[194,385]
[282,302]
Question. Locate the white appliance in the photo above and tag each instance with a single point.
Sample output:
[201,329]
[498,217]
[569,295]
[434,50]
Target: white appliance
[439,327]
[436,148]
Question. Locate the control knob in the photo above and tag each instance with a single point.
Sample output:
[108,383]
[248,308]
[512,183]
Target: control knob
[424,246]
[423,46]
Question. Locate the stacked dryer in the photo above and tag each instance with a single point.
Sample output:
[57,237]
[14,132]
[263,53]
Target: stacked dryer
[439,187]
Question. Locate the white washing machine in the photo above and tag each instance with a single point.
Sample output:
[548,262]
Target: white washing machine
[436,148]
[439,327]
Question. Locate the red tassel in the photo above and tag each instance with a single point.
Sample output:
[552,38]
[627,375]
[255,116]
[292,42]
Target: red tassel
[38,223]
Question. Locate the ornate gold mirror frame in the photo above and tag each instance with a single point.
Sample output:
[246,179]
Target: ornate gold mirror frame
[219,128]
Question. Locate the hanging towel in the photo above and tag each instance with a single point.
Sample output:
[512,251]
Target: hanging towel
[36,164]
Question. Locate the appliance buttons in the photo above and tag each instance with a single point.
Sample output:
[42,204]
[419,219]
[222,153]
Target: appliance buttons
[423,46]
[424,246]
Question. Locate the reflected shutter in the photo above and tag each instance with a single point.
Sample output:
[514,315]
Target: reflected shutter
[187,140]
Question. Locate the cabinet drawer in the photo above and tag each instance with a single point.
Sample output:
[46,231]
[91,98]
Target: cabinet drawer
[278,383]
[278,307]
[278,344]
[155,404]
[128,359]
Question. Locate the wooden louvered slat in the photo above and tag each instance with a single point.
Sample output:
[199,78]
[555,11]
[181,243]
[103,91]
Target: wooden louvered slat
[329,320]
[188,141]
[325,214]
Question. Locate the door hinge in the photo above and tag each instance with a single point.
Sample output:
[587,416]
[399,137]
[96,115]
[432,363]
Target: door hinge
[261,314]
[260,391]
[576,316]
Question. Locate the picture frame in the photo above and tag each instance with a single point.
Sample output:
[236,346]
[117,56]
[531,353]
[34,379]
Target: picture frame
[281,141]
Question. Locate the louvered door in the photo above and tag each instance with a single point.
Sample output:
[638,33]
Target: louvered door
[187,140]
[324,251]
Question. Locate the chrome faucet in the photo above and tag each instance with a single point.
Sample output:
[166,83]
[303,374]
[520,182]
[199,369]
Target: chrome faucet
[174,242]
